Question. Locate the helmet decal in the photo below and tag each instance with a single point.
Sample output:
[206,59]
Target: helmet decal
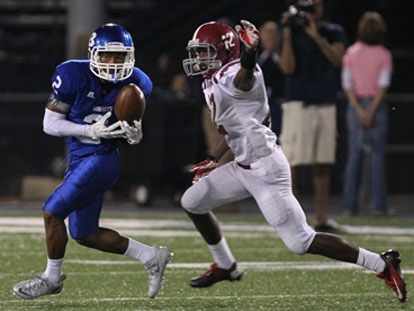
[92,40]
[228,39]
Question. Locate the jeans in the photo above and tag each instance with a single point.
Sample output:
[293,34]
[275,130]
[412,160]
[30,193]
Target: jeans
[366,139]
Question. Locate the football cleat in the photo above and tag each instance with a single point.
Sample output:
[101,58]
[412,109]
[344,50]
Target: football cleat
[155,269]
[216,274]
[40,286]
[392,275]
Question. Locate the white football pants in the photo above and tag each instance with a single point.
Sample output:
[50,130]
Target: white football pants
[269,183]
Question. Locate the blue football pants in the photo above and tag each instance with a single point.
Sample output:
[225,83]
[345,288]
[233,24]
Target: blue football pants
[80,196]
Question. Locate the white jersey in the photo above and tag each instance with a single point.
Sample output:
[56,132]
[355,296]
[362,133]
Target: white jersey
[242,117]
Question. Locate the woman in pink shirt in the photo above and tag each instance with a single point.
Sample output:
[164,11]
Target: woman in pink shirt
[366,75]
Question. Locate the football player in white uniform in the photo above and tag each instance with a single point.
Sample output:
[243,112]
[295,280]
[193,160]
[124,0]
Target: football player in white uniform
[235,93]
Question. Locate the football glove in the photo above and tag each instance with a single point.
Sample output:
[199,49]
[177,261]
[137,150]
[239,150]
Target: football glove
[204,168]
[100,130]
[248,34]
[133,134]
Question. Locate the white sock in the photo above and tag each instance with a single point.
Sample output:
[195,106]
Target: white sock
[139,251]
[54,270]
[370,260]
[222,254]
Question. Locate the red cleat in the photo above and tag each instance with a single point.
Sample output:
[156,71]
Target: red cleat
[216,274]
[392,275]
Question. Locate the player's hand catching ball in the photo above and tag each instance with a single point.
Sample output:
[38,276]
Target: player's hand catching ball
[99,129]
[248,34]
[204,168]
[133,134]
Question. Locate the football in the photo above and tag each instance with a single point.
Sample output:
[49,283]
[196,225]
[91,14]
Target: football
[130,104]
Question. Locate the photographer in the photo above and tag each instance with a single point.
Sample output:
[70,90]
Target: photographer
[312,52]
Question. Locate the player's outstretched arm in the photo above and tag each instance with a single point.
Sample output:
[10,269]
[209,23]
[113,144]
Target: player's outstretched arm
[249,35]
[55,124]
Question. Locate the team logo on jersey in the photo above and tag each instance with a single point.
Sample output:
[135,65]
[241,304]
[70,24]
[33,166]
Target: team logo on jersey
[91,95]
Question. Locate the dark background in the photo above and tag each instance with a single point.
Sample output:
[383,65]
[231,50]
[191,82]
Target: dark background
[32,43]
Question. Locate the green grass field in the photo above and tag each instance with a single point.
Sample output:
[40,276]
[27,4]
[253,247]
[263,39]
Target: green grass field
[274,278]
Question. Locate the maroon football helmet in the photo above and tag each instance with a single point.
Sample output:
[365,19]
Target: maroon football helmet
[213,45]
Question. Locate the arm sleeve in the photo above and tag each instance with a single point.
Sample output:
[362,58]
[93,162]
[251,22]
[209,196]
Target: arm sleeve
[384,79]
[346,78]
[55,124]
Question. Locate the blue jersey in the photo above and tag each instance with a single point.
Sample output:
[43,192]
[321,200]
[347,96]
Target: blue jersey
[74,84]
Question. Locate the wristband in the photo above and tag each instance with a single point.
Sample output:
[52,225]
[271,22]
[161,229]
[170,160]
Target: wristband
[248,60]
[211,158]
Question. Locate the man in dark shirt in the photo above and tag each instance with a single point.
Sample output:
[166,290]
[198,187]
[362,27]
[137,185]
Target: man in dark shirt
[312,51]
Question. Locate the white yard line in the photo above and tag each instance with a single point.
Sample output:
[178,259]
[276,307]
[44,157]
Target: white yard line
[148,233]
[174,268]
[35,225]
[258,265]
[244,265]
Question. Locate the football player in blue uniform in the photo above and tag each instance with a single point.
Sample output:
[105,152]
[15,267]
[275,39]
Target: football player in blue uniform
[80,109]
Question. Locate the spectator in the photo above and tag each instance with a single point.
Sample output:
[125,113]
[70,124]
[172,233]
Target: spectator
[366,76]
[162,71]
[312,52]
[179,86]
[269,61]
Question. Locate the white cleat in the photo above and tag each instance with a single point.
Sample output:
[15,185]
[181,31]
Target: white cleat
[155,269]
[40,286]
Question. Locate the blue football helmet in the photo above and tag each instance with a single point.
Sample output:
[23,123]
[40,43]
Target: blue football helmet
[111,38]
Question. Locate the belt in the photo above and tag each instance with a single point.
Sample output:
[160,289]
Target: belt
[246,167]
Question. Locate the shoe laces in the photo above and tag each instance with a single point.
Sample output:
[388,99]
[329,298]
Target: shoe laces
[38,282]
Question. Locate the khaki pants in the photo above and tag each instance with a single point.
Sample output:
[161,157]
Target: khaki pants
[308,133]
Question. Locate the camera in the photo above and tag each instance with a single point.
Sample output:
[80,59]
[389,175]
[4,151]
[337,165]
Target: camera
[298,10]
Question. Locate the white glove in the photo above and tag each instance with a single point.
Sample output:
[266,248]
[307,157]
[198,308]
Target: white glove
[133,134]
[100,130]
[248,34]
